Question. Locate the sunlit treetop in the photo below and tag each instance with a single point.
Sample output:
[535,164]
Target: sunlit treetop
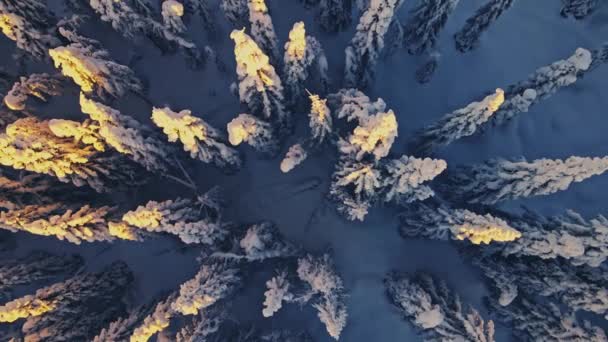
[84,72]
[485,235]
[251,59]
[296,46]
[319,107]
[7,23]
[86,133]
[175,7]
[28,306]
[259,5]
[182,126]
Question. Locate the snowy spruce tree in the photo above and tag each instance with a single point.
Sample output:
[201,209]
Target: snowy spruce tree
[316,282]
[335,15]
[260,87]
[320,121]
[436,311]
[301,53]
[535,321]
[403,178]
[214,281]
[579,9]
[468,37]
[364,49]
[568,236]
[441,222]
[36,146]
[156,321]
[458,124]
[542,84]
[262,30]
[354,187]
[429,18]
[90,67]
[372,138]
[579,288]
[203,327]
[253,131]
[202,141]
[132,21]
[236,11]
[353,105]
[30,25]
[127,136]
[500,180]
[35,267]
[73,224]
[40,86]
[260,242]
[294,157]
[194,222]
[63,311]
[121,329]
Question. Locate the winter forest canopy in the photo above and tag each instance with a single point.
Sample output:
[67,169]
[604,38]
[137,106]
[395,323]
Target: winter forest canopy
[303,170]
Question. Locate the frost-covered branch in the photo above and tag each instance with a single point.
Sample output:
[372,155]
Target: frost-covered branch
[120,330]
[435,310]
[354,188]
[294,157]
[468,37]
[202,141]
[458,124]
[404,177]
[253,131]
[40,86]
[202,327]
[320,121]
[500,180]
[157,321]
[90,67]
[262,29]
[260,242]
[374,136]
[236,11]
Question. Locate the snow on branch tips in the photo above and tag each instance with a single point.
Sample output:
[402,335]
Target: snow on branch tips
[320,120]
[403,178]
[354,188]
[259,85]
[184,218]
[30,25]
[64,309]
[301,52]
[172,12]
[121,329]
[458,124]
[40,86]
[444,223]
[468,37]
[374,135]
[436,312]
[90,67]
[255,132]
[236,11]
[568,236]
[500,180]
[423,29]
[579,9]
[213,282]
[157,321]
[262,29]
[32,145]
[260,242]
[542,84]
[294,157]
[202,141]
[125,135]
[314,280]
[364,49]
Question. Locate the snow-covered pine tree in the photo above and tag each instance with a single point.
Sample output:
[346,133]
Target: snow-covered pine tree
[90,67]
[156,321]
[214,281]
[34,267]
[260,87]
[262,30]
[126,135]
[30,25]
[133,20]
[499,180]
[373,138]
[202,141]
[301,52]
[40,86]
[535,321]
[65,311]
[403,178]
[435,310]
[62,221]
[31,145]
[335,15]
[201,7]
[121,329]
[542,84]
[255,132]
[457,124]
[580,288]
[568,236]
[578,9]
[316,281]
[352,104]
[441,222]
[468,37]
[320,121]
[172,12]
[260,242]
[236,11]
[429,18]
[294,157]
[355,187]
[194,222]
[364,49]
[205,325]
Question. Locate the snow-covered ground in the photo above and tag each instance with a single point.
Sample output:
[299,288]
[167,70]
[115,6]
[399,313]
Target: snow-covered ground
[531,34]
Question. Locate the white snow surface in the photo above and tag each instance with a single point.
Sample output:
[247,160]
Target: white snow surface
[529,35]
